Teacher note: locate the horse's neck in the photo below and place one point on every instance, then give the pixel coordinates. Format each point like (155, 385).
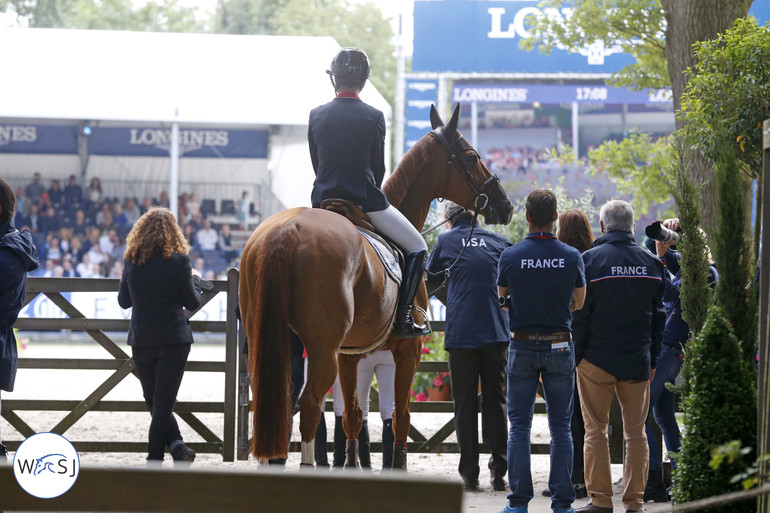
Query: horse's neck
(414, 210)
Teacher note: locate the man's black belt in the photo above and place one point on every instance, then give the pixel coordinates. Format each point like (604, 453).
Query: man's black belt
(561, 336)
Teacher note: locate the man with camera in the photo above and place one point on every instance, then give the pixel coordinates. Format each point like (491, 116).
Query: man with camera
(617, 340)
(545, 279)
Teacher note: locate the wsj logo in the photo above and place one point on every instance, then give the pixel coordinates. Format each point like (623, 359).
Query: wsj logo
(189, 140)
(53, 463)
(46, 465)
(595, 52)
(17, 133)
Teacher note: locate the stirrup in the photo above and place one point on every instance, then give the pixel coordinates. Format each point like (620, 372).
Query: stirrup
(408, 328)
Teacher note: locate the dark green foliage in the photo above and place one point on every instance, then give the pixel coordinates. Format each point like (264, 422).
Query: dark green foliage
(733, 255)
(694, 293)
(720, 407)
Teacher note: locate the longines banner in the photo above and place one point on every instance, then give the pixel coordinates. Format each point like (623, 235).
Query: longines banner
(475, 36)
(193, 142)
(420, 94)
(529, 93)
(47, 139)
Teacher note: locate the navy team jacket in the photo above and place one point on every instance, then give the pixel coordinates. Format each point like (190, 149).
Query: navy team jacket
(620, 327)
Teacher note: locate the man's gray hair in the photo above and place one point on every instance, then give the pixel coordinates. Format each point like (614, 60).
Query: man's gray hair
(617, 215)
(456, 212)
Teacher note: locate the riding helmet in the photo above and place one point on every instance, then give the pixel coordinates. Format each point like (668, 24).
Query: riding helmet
(350, 62)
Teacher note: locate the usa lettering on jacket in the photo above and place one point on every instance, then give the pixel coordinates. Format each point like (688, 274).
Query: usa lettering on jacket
(474, 242)
(629, 270)
(542, 263)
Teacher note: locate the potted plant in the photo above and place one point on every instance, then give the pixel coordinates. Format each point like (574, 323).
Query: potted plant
(432, 386)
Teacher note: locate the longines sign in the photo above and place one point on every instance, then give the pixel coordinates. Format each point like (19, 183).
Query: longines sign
(61, 140)
(482, 36)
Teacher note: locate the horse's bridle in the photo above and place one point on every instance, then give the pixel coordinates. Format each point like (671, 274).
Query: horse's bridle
(479, 191)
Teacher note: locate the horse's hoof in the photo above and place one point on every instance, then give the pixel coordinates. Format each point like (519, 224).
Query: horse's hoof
(399, 456)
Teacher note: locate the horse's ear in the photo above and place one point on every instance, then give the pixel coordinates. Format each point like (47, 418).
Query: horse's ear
(451, 127)
(435, 119)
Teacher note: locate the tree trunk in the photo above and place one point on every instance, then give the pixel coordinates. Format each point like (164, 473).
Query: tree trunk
(690, 21)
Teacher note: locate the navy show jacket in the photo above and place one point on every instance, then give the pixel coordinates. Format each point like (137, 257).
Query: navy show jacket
(620, 327)
(473, 313)
(18, 256)
(158, 290)
(347, 149)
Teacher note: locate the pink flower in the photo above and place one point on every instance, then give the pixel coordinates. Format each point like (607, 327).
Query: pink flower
(422, 396)
(413, 393)
(438, 381)
(426, 350)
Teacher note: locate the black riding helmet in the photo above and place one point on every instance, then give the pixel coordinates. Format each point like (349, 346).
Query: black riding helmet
(349, 66)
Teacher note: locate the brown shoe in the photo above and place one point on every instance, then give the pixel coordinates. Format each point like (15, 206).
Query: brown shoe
(590, 508)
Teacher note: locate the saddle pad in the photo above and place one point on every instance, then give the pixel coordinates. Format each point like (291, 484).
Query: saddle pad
(387, 257)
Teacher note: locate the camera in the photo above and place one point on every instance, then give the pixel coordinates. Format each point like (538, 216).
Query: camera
(505, 301)
(657, 231)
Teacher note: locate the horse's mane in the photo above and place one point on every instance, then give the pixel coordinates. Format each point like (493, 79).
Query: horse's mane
(412, 164)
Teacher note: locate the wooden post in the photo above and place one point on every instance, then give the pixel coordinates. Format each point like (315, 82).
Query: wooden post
(763, 395)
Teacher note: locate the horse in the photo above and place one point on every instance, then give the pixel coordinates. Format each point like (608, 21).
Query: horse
(311, 271)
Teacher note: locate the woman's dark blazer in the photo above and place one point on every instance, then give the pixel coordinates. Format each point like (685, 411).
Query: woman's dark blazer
(157, 291)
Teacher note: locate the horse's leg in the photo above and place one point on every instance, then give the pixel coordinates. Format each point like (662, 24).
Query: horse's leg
(321, 371)
(352, 417)
(406, 355)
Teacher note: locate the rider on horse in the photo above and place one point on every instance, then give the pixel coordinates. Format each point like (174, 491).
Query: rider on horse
(347, 147)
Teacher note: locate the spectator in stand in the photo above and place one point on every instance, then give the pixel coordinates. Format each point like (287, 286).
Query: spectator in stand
(73, 194)
(50, 222)
(210, 275)
(189, 234)
(47, 269)
(119, 247)
(65, 238)
(163, 201)
(33, 219)
(192, 206)
(207, 237)
(121, 221)
(117, 269)
(81, 224)
(76, 249)
(132, 211)
(93, 196)
(85, 268)
(99, 271)
(35, 189)
(226, 243)
(108, 241)
(200, 265)
(56, 195)
(23, 203)
(244, 210)
(92, 238)
(68, 271)
(147, 204)
(53, 250)
(107, 223)
(96, 255)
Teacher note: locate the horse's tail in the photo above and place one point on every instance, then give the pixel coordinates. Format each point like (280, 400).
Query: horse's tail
(270, 346)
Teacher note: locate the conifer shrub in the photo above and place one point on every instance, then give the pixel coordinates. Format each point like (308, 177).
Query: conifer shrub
(720, 407)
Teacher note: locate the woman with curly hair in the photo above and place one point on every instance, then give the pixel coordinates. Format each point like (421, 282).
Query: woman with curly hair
(158, 281)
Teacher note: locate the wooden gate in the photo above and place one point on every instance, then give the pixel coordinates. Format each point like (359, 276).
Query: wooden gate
(122, 366)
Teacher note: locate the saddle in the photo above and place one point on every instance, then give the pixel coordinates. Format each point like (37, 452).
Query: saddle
(390, 254)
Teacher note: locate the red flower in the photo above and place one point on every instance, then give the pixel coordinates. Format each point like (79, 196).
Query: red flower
(425, 350)
(422, 396)
(438, 381)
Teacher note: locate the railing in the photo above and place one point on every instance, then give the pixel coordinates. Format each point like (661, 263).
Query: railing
(122, 366)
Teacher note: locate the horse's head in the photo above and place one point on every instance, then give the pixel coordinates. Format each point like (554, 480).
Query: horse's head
(468, 182)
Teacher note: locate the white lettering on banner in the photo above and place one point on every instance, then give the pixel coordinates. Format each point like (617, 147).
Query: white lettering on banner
(189, 140)
(419, 104)
(639, 270)
(491, 94)
(542, 263)
(660, 96)
(422, 86)
(474, 242)
(419, 124)
(595, 52)
(17, 133)
(591, 93)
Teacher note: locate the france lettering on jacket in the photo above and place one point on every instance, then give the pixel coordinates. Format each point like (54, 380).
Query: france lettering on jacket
(629, 270)
(542, 263)
(474, 242)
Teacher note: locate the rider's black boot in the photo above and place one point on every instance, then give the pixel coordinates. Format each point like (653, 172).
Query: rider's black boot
(405, 327)
(387, 443)
(364, 454)
(339, 443)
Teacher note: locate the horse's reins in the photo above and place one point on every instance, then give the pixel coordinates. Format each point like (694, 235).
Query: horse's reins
(479, 191)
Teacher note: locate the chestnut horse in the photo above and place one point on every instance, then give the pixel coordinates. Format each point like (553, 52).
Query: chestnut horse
(311, 271)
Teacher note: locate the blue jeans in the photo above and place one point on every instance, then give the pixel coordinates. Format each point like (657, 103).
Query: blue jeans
(662, 404)
(528, 363)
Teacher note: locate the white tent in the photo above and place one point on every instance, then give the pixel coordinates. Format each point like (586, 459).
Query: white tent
(268, 82)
